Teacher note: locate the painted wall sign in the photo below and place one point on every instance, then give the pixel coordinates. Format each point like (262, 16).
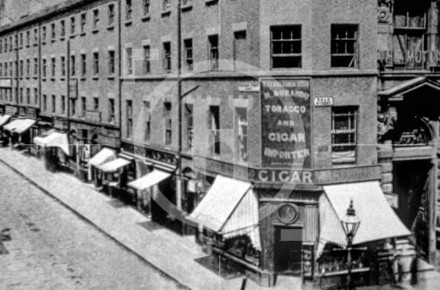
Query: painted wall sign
(285, 109)
(323, 102)
(285, 176)
(410, 58)
(5, 83)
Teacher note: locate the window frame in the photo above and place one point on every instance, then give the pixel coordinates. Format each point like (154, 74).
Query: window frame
(294, 56)
(344, 156)
(354, 63)
(213, 51)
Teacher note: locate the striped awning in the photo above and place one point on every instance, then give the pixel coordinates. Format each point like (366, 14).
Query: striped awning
(230, 208)
(4, 119)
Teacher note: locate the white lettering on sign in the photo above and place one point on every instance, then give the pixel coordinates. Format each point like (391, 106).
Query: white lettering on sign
(323, 102)
(249, 88)
(285, 176)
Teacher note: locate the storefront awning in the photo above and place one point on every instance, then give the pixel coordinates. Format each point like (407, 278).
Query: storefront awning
(149, 180)
(230, 208)
(54, 140)
(19, 126)
(4, 119)
(103, 156)
(114, 165)
(378, 220)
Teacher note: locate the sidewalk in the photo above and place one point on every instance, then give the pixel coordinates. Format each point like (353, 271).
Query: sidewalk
(165, 250)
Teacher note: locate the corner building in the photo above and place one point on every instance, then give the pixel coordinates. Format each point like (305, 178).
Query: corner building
(257, 145)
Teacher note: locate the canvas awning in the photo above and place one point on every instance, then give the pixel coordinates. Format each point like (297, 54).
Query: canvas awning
(114, 165)
(54, 140)
(4, 119)
(230, 208)
(103, 156)
(378, 220)
(19, 126)
(149, 180)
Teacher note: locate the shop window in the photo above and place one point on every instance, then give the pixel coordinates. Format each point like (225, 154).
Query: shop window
(96, 63)
(111, 62)
(286, 46)
(213, 52)
(54, 104)
(95, 19)
(111, 15)
(83, 65)
(63, 28)
(96, 104)
(147, 132)
(241, 122)
(344, 45)
(83, 22)
(168, 123)
(129, 119)
(63, 66)
(344, 134)
(129, 56)
(188, 45)
(189, 120)
(128, 10)
(146, 7)
(167, 57)
(146, 66)
(214, 129)
(111, 115)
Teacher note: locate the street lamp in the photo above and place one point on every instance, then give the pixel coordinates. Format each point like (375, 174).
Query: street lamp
(350, 224)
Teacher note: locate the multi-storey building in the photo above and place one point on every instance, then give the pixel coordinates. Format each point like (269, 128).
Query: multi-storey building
(252, 123)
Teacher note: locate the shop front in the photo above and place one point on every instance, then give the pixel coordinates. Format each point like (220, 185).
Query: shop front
(114, 176)
(4, 119)
(19, 133)
(53, 145)
(100, 158)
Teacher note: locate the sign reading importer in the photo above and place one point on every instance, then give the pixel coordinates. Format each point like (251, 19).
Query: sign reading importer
(285, 110)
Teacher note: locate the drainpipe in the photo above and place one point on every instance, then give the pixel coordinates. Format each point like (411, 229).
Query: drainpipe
(179, 179)
(119, 71)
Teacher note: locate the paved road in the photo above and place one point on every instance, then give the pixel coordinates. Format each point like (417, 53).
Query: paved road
(51, 248)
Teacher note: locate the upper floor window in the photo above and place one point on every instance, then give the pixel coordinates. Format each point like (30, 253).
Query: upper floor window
(72, 65)
(188, 46)
(168, 123)
(344, 134)
(63, 28)
(213, 51)
(35, 36)
(146, 60)
(129, 119)
(54, 32)
(128, 10)
(129, 52)
(286, 46)
(189, 120)
(111, 62)
(95, 63)
(54, 66)
(167, 57)
(111, 14)
(241, 124)
(83, 64)
(21, 40)
(28, 38)
(43, 34)
(147, 132)
(214, 129)
(72, 25)
(146, 7)
(83, 22)
(344, 45)
(112, 114)
(95, 18)
(63, 66)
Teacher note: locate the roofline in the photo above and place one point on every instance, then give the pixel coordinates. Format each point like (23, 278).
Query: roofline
(45, 13)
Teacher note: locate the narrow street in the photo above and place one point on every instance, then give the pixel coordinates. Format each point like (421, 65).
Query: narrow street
(51, 248)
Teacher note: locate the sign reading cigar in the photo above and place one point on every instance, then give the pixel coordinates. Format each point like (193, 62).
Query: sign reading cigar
(285, 109)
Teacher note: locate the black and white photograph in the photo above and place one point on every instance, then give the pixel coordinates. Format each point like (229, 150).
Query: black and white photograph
(219, 144)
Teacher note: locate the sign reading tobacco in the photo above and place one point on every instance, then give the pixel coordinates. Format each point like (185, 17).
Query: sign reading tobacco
(285, 110)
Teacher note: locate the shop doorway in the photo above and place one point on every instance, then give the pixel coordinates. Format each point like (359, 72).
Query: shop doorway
(287, 250)
(412, 184)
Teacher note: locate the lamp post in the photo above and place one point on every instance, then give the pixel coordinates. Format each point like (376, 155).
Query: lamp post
(350, 224)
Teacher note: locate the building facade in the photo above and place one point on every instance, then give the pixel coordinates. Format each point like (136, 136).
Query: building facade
(280, 101)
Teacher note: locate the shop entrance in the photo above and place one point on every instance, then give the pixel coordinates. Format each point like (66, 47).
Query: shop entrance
(412, 184)
(287, 250)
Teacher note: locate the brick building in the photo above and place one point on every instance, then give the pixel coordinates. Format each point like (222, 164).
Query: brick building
(261, 140)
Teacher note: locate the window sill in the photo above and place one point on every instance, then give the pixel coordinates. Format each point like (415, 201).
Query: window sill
(52, 79)
(43, 43)
(111, 27)
(210, 2)
(111, 77)
(36, 44)
(95, 78)
(82, 33)
(82, 78)
(95, 30)
(128, 22)
(43, 79)
(72, 36)
(165, 13)
(53, 40)
(62, 38)
(62, 78)
(35, 77)
(146, 18)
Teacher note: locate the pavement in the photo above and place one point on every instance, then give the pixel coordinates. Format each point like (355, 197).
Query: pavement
(172, 254)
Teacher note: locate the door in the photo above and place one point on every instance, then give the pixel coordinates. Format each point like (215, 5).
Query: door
(287, 252)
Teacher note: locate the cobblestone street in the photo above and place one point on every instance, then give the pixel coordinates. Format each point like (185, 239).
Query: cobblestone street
(51, 248)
